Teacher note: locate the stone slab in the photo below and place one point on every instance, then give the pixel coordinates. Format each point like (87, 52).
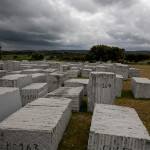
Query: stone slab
(37, 126)
(117, 128)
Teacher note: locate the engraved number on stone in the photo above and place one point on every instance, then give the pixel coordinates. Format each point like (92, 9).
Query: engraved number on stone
(28, 147)
(36, 147)
(21, 145)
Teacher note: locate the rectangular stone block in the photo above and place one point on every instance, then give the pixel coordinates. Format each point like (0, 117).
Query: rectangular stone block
(101, 89)
(39, 78)
(122, 70)
(32, 92)
(133, 72)
(10, 101)
(38, 126)
(73, 73)
(101, 68)
(86, 73)
(65, 68)
(56, 80)
(77, 83)
(140, 88)
(117, 128)
(49, 70)
(118, 85)
(16, 80)
(2, 73)
(74, 93)
(11, 65)
(31, 71)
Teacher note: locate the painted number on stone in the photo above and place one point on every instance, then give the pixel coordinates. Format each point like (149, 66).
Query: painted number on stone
(106, 85)
(21, 147)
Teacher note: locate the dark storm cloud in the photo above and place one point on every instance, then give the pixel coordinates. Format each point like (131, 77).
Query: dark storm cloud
(65, 24)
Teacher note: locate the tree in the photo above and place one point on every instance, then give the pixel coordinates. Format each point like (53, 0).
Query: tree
(104, 53)
(0, 52)
(37, 56)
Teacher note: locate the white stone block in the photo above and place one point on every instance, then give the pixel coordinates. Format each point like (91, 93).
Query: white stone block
(38, 126)
(32, 92)
(31, 71)
(117, 128)
(76, 94)
(10, 101)
(77, 83)
(14, 72)
(101, 89)
(140, 88)
(2, 73)
(16, 80)
(39, 78)
(56, 80)
(101, 68)
(11, 65)
(49, 70)
(90, 67)
(73, 73)
(133, 72)
(122, 70)
(65, 68)
(118, 85)
(86, 73)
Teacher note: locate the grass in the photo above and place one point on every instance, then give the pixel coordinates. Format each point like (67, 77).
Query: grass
(77, 132)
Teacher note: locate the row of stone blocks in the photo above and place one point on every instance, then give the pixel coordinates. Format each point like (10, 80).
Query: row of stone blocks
(117, 128)
(39, 125)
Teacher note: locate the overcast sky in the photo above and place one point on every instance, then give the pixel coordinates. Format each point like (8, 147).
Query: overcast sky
(74, 24)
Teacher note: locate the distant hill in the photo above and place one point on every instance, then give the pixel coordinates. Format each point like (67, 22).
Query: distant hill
(142, 51)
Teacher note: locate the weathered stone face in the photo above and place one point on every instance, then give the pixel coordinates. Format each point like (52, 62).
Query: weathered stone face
(76, 94)
(40, 125)
(118, 85)
(134, 72)
(86, 72)
(140, 87)
(101, 89)
(10, 101)
(77, 83)
(116, 127)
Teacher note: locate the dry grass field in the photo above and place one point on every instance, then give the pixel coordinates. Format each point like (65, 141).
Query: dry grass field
(76, 135)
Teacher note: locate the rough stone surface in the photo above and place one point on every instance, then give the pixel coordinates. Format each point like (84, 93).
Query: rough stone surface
(56, 80)
(49, 70)
(2, 73)
(32, 92)
(133, 72)
(31, 71)
(101, 68)
(77, 83)
(39, 78)
(74, 93)
(10, 101)
(74, 73)
(11, 65)
(118, 85)
(16, 80)
(86, 72)
(117, 128)
(101, 89)
(140, 88)
(122, 70)
(38, 126)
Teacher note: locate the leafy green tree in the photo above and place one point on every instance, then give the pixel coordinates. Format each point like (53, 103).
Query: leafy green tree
(37, 56)
(104, 53)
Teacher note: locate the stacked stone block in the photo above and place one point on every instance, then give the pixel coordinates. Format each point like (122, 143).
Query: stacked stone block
(86, 72)
(16, 80)
(39, 78)
(133, 72)
(118, 85)
(32, 92)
